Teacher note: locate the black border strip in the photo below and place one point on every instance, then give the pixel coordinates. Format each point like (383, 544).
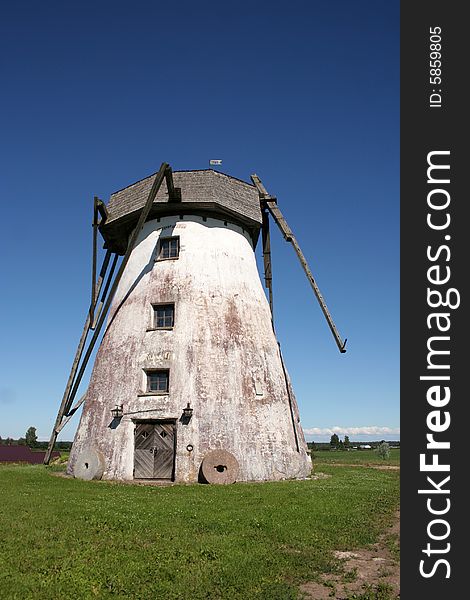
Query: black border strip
(425, 128)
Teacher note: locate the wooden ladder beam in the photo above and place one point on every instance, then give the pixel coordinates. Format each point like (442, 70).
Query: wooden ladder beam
(76, 377)
(76, 361)
(270, 203)
(268, 276)
(69, 414)
(143, 217)
(93, 258)
(174, 194)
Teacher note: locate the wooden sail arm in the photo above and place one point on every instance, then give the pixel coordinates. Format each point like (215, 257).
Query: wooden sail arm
(268, 276)
(174, 194)
(270, 203)
(76, 373)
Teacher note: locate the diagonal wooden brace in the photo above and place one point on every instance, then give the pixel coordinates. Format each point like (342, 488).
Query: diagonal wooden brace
(269, 203)
(74, 377)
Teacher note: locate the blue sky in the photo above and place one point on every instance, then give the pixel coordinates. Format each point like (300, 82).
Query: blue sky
(97, 94)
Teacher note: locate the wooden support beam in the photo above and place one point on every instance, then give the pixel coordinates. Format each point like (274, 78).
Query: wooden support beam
(105, 290)
(174, 194)
(268, 278)
(260, 187)
(279, 219)
(70, 413)
(270, 203)
(71, 390)
(93, 258)
(103, 211)
(142, 218)
(289, 397)
(76, 360)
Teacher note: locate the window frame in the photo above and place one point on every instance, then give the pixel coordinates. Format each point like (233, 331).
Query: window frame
(159, 256)
(148, 373)
(154, 324)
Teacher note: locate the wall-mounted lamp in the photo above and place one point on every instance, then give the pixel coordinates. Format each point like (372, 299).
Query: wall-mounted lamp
(117, 411)
(187, 412)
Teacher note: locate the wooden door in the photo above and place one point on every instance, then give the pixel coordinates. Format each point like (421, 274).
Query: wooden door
(154, 450)
(143, 451)
(164, 454)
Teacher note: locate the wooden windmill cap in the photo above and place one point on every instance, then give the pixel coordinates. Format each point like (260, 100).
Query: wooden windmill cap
(205, 192)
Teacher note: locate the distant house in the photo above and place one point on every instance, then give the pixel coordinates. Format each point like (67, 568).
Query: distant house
(22, 454)
(365, 447)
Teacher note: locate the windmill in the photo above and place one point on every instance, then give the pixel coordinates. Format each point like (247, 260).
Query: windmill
(189, 383)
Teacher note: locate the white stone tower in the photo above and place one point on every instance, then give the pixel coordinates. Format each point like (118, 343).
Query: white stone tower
(188, 383)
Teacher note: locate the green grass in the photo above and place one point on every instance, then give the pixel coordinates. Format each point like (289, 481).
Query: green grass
(355, 457)
(64, 456)
(70, 539)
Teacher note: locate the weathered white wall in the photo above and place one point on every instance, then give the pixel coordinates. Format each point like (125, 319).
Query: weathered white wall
(221, 346)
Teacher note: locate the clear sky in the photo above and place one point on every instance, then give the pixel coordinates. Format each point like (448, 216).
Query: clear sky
(96, 95)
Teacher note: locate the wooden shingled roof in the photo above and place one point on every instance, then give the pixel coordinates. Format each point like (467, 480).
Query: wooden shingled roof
(202, 192)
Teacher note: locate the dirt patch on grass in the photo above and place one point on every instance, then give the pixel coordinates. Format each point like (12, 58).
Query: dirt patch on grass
(369, 573)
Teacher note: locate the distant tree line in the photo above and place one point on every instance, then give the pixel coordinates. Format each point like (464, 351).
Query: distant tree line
(336, 443)
(30, 439)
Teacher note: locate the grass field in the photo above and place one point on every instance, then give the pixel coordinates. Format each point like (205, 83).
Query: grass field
(355, 457)
(70, 539)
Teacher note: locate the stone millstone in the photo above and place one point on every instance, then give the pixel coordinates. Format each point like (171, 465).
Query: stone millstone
(90, 465)
(220, 466)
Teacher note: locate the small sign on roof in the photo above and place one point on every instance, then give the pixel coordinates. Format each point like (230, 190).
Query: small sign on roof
(215, 162)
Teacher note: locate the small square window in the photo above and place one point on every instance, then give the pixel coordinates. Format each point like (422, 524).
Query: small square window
(163, 316)
(169, 248)
(157, 381)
